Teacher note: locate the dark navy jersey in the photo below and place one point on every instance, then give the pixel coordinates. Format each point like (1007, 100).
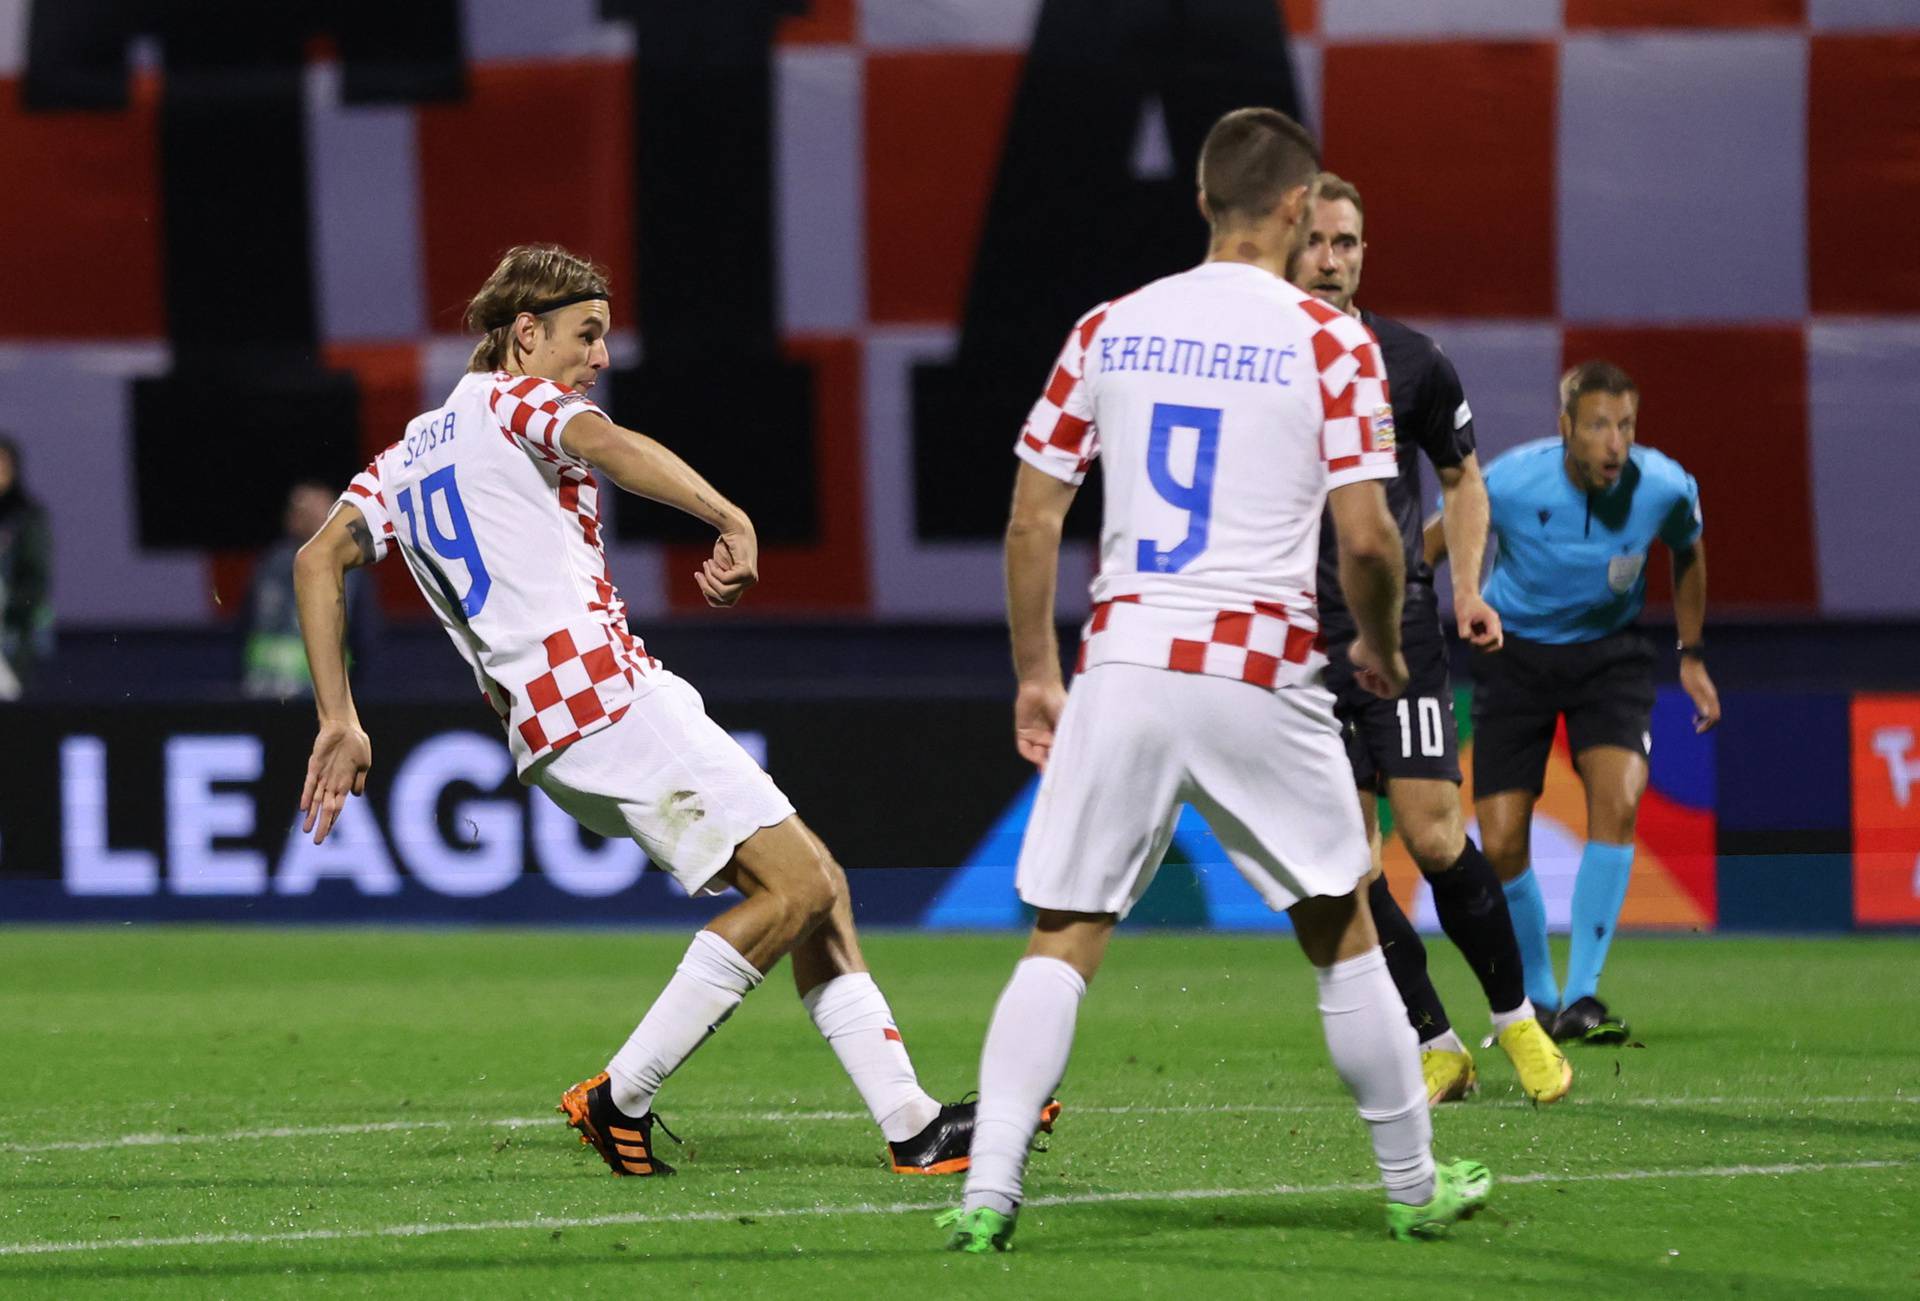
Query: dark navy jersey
(1430, 415)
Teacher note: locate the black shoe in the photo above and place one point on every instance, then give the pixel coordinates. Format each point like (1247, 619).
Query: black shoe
(1587, 1021)
(944, 1146)
(1546, 1016)
(623, 1142)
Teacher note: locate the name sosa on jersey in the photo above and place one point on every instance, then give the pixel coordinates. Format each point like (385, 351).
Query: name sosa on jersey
(418, 442)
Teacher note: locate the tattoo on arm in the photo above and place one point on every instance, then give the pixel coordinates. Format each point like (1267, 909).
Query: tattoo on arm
(362, 538)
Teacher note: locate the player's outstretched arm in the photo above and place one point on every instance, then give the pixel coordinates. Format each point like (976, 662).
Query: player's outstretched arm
(1690, 619)
(341, 752)
(1463, 524)
(1039, 512)
(648, 469)
(1373, 574)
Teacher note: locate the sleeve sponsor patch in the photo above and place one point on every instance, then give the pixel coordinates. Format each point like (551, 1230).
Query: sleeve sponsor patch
(1383, 434)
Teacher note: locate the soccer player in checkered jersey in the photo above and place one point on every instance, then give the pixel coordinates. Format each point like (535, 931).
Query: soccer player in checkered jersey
(1230, 409)
(1408, 749)
(1575, 518)
(491, 502)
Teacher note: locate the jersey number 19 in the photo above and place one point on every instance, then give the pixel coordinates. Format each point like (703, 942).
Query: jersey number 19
(457, 545)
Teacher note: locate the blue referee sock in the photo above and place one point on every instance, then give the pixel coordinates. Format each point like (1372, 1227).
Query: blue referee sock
(1598, 892)
(1528, 909)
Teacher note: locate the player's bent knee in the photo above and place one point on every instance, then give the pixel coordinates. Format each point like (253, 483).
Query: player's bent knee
(835, 893)
(795, 870)
(816, 891)
(836, 879)
(804, 906)
(1077, 939)
(1504, 837)
(1333, 928)
(1508, 858)
(1435, 845)
(1612, 823)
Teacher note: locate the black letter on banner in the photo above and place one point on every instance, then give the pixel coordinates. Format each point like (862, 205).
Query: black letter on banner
(246, 387)
(711, 380)
(1070, 224)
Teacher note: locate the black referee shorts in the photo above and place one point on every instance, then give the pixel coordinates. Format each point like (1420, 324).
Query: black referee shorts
(1603, 687)
(1413, 736)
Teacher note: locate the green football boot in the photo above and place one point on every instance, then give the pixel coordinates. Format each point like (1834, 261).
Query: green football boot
(978, 1231)
(1459, 1191)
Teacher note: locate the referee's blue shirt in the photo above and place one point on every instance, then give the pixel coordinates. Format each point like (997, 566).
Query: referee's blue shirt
(1572, 565)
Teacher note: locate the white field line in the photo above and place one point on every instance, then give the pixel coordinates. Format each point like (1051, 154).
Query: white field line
(797, 1116)
(898, 1208)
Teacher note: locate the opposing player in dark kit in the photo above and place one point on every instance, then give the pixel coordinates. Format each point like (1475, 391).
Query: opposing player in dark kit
(1407, 749)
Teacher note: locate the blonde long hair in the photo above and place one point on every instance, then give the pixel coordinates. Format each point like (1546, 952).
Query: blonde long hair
(529, 275)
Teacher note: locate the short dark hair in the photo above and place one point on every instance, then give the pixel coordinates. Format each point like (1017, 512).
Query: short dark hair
(1251, 158)
(1593, 377)
(1331, 189)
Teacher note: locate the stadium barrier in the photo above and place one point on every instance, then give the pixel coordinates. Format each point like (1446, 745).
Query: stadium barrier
(1799, 813)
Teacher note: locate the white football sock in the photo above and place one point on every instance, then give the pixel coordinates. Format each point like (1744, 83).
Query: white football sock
(1020, 1067)
(1447, 1041)
(709, 983)
(1374, 1051)
(852, 1013)
(1501, 1020)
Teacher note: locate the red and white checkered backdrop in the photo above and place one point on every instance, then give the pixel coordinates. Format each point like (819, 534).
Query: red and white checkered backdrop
(1721, 195)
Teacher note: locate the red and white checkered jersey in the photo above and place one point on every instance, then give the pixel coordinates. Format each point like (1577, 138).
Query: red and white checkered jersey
(500, 527)
(1225, 405)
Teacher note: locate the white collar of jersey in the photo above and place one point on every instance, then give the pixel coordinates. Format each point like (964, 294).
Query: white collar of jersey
(472, 380)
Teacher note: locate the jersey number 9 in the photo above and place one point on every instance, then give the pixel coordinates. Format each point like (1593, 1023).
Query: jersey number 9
(1196, 498)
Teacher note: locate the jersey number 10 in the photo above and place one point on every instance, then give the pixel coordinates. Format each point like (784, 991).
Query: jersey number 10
(1196, 498)
(1433, 742)
(458, 545)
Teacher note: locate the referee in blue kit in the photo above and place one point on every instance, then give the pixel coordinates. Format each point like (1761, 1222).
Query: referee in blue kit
(1575, 517)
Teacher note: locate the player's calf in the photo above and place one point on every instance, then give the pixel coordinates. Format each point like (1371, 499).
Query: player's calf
(791, 886)
(1473, 910)
(1406, 959)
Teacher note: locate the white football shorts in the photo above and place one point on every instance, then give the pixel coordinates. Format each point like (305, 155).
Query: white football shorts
(672, 779)
(1266, 769)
